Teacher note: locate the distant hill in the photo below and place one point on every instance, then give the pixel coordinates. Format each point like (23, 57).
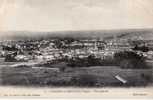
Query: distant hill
(141, 35)
(146, 34)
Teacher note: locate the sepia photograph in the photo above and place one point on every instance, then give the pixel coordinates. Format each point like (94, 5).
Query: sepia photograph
(77, 44)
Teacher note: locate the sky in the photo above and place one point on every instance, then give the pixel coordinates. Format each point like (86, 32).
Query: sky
(60, 15)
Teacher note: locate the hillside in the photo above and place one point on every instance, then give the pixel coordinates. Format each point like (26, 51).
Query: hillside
(146, 34)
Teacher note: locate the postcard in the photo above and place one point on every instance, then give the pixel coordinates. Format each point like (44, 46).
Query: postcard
(76, 48)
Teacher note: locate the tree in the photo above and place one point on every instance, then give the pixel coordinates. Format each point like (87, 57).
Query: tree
(58, 43)
(129, 59)
(141, 48)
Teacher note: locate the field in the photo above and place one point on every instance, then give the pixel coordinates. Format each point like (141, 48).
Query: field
(94, 76)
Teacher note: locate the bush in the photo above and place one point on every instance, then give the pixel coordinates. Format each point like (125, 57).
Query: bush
(10, 58)
(141, 48)
(78, 62)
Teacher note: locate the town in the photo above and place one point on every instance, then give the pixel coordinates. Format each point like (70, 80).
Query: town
(60, 54)
(56, 49)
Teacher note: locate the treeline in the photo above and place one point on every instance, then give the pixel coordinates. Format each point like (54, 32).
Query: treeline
(124, 59)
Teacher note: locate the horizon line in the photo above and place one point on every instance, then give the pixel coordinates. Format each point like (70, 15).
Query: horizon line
(78, 30)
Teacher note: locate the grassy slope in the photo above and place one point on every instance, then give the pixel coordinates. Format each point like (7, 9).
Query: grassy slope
(46, 76)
